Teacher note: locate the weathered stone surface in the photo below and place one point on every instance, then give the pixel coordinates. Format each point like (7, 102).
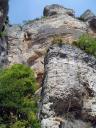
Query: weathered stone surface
(69, 88)
(32, 51)
(61, 123)
(55, 9)
(87, 15)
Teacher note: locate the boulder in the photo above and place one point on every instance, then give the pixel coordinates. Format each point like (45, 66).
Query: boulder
(57, 9)
(87, 15)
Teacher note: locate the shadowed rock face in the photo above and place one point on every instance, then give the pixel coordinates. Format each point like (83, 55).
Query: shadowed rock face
(69, 88)
(3, 39)
(3, 51)
(92, 23)
(3, 12)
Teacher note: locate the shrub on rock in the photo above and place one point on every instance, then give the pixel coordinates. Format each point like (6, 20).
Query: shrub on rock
(87, 43)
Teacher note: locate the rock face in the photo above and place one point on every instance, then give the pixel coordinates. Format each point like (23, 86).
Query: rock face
(87, 15)
(69, 85)
(3, 38)
(69, 89)
(57, 9)
(31, 49)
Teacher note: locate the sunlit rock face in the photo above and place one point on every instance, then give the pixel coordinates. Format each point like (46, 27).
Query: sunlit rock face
(69, 89)
(28, 43)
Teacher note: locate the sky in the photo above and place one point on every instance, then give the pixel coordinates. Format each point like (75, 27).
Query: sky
(22, 10)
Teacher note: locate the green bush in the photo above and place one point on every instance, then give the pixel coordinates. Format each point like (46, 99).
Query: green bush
(87, 43)
(17, 88)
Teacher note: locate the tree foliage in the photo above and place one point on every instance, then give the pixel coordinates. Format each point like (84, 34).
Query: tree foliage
(18, 105)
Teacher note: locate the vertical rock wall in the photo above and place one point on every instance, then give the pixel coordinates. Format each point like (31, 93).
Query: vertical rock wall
(69, 89)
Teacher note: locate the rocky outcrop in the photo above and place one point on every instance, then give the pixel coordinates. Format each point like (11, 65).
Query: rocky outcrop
(69, 89)
(31, 50)
(87, 15)
(55, 9)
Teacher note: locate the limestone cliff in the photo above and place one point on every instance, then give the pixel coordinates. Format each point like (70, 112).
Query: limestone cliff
(28, 43)
(69, 82)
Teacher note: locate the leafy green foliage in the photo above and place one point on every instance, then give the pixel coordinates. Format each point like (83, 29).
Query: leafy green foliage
(87, 43)
(19, 124)
(15, 83)
(17, 101)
